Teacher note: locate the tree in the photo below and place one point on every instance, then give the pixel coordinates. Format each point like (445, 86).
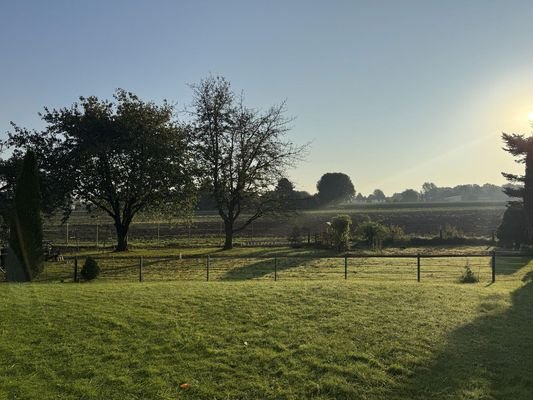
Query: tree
(335, 187)
(121, 157)
(429, 190)
(409, 196)
(25, 254)
(521, 148)
(243, 153)
(379, 195)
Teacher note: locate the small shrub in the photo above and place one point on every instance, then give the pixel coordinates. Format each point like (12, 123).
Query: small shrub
(373, 233)
(468, 275)
(90, 269)
(340, 231)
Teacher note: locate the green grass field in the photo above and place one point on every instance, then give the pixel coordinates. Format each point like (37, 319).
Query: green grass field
(291, 339)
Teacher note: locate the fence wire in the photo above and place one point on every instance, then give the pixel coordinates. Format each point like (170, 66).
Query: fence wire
(379, 268)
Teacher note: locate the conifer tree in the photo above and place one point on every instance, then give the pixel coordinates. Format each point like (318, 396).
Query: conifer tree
(25, 260)
(521, 148)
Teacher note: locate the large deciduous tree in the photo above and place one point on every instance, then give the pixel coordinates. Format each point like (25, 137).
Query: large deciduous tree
(121, 156)
(243, 152)
(335, 187)
(521, 148)
(25, 254)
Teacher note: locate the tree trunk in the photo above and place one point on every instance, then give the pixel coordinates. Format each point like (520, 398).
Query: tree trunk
(122, 236)
(228, 243)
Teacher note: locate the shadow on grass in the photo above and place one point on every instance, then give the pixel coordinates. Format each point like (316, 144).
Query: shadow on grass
(510, 265)
(265, 267)
(490, 358)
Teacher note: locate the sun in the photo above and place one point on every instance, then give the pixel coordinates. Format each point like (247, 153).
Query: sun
(530, 116)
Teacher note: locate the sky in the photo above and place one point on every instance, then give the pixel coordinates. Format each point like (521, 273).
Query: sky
(391, 93)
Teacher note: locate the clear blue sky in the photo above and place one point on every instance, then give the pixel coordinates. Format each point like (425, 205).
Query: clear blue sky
(392, 93)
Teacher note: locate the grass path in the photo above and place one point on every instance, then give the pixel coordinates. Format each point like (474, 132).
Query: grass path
(266, 340)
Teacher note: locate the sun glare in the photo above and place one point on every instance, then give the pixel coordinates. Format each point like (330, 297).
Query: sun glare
(530, 116)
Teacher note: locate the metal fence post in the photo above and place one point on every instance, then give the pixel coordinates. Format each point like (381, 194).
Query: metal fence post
(140, 268)
(275, 268)
(75, 268)
(345, 267)
(418, 267)
(207, 269)
(493, 265)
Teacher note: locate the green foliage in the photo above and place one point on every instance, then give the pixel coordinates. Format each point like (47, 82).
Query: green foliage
(395, 234)
(26, 236)
(340, 231)
(120, 156)
(90, 269)
(521, 147)
(513, 228)
(335, 187)
(468, 275)
(373, 233)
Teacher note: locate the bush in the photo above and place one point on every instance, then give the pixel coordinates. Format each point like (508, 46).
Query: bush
(90, 269)
(373, 233)
(468, 275)
(340, 231)
(395, 234)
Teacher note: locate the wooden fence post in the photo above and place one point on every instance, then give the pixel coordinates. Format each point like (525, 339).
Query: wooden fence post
(75, 268)
(140, 268)
(207, 269)
(493, 265)
(275, 268)
(418, 267)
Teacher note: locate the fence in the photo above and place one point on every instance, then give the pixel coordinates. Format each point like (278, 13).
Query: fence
(488, 267)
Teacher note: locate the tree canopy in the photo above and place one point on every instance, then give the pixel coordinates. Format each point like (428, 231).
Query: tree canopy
(121, 156)
(335, 187)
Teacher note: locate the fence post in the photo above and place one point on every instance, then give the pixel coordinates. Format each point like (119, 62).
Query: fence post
(207, 269)
(75, 268)
(275, 268)
(418, 267)
(345, 267)
(140, 268)
(493, 264)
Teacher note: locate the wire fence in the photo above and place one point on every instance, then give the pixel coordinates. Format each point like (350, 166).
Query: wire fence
(486, 268)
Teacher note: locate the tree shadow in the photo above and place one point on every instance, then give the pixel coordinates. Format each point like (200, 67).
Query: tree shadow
(490, 358)
(508, 265)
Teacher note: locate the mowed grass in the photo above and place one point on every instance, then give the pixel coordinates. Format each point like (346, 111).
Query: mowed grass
(329, 339)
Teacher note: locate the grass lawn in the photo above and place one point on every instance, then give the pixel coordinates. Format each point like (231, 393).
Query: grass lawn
(267, 340)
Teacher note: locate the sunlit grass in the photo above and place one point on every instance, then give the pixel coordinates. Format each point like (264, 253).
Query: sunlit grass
(291, 339)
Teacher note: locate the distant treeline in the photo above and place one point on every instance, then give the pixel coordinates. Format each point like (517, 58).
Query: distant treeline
(328, 195)
(432, 193)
